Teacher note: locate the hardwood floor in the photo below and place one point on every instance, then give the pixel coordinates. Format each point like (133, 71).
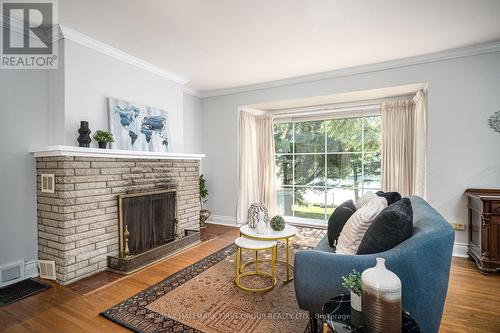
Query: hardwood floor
(472, 305)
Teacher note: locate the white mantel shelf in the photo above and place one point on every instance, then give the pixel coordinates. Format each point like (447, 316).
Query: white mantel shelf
(109, 153)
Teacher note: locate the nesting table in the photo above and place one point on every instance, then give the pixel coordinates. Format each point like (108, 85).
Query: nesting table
(272, 235)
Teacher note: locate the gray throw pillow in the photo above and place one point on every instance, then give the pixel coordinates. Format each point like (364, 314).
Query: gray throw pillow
(338, 219)
(391, 227)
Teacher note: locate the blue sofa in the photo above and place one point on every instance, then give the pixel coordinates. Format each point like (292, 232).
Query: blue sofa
(422, 262)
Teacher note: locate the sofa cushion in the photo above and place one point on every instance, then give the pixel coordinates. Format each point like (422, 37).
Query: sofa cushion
(358, 223)
(323, 245)
(338, 219)
(365, 198)
(391, 227)
(391, 197)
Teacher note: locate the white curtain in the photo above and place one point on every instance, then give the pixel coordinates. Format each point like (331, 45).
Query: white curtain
(257, 178)
(420, 144)
(404, 145)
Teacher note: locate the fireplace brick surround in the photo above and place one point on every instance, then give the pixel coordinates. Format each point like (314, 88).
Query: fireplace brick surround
(78, 224)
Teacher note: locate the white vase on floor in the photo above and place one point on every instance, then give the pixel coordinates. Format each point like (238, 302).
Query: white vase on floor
(355, 301)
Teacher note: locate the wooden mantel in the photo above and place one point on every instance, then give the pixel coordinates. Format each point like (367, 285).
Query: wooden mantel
(109, 153)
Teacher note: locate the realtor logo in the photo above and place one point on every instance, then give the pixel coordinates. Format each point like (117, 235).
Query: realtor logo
(28, 34)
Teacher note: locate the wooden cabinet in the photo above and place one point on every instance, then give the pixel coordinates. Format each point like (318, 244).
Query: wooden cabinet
(484, 228)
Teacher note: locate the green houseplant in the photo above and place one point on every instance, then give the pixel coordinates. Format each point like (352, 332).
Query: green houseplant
(102, 138)
(204, 213)
(353, 283)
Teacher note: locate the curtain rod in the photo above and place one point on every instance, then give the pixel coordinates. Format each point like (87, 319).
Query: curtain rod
(369, 108)
(337, 107)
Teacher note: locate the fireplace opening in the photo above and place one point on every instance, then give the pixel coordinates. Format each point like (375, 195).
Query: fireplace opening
(147, 220)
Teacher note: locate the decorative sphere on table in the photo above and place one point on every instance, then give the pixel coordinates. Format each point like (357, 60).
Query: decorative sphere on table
(278, 223)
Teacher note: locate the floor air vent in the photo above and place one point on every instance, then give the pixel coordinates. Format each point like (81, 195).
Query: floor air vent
(20, 290)
(47, 269)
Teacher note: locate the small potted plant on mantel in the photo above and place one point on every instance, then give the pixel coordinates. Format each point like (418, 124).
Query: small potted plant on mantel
(102, 138)
(204, 214)
(353, 283)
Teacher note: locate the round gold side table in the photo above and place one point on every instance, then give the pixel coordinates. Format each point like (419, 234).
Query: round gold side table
(243, 243)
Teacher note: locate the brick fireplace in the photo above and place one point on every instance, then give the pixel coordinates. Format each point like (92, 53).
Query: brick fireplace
(78, 224)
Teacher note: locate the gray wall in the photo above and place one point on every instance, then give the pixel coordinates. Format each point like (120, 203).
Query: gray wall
(193, 124)
(23, 107)
(462, 92)
(91, 77)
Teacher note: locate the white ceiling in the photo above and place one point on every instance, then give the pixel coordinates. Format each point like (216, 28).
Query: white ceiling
(221, 44)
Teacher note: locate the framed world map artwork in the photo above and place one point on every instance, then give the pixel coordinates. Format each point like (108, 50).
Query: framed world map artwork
(138, 127)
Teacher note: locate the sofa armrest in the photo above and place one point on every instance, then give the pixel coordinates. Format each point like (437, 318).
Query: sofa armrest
(318, 275)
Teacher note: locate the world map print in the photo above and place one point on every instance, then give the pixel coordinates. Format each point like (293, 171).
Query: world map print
(138, 127)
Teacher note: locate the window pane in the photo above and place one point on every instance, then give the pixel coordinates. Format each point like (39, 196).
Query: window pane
(336, 196)
(344, 170)
(310, 169)
(373, 130)
(309, 137)
(284, 197)
(284, 174)
(344, 135)
(309, 203)
(372, 178)
(283, 138)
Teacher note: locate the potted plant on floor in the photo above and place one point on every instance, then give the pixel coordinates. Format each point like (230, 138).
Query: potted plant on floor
(204, 213)
(102, 138)
(353, 283)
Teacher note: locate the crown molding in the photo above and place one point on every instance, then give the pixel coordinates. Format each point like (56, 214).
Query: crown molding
(87, 41)
(397, 63)
(192, 92)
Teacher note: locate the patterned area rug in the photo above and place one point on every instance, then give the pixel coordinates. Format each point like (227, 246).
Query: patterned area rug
(204, 298)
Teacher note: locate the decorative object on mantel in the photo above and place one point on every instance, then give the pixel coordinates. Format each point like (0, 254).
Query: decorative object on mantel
(353, 283)
(494, 121)
(204, 213)
(277, 223)
(381, 299)
(102, 138)
(84, 137)
(138, 127)
(253, 214)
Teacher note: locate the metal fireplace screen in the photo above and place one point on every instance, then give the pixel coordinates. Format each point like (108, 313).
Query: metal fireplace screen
(147, 220)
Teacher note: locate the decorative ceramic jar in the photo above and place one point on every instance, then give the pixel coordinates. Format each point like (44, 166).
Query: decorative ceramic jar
(261, 223)
(381, 306)
(253, 214)
(84, 137)
(204, 215)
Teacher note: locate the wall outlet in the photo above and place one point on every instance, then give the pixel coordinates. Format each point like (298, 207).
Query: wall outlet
(458, 226)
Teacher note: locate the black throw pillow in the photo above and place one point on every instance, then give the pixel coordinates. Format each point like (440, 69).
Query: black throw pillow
(391, 197)
(391, 227)
(338, 219)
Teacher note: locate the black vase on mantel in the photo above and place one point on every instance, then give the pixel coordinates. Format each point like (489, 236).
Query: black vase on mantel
(84, 138)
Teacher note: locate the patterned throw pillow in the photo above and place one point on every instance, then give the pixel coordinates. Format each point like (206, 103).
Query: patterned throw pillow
(355, 228)
(367, 197)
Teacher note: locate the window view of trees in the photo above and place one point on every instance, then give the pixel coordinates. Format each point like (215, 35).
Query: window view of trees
(321, 164)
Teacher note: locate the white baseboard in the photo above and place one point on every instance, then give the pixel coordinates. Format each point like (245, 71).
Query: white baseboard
(223, 220)
(460, 250)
